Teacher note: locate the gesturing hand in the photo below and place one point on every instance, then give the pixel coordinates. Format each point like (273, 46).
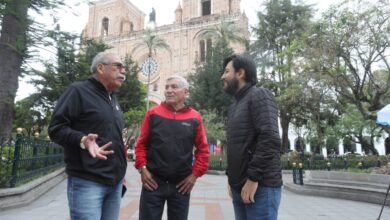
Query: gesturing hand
(94, 149)
(186, 185)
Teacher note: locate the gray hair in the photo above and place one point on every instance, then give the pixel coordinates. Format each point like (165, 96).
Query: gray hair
(101, 57)
(183, 82)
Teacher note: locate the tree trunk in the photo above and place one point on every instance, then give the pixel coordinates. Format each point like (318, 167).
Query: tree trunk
(368, 145)
(12, 52)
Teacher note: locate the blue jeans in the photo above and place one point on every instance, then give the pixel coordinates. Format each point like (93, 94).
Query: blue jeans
(89, 200)
(152, 202)
(267, 200)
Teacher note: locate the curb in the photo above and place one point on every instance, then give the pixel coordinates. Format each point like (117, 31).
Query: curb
(23, 195)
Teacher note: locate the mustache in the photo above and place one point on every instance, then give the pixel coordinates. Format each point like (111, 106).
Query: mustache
(122, 77)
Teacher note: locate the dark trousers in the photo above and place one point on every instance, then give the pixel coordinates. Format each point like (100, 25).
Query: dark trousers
(152, 203)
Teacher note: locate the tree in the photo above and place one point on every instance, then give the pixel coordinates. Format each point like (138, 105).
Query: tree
(71, 65)
(132, 93)
(14, 41)
(278, 35)
(206, 82)
(225, 32)
(214, 126)
(31, 118)
(351, 45)
(354, 128)
(152, 43)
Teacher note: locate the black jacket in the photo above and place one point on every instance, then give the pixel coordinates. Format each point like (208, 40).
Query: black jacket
(85, 107)
(253, 141)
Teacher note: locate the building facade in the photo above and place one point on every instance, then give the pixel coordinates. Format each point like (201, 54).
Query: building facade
(121, 24)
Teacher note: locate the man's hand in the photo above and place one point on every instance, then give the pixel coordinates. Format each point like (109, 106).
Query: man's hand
(185, 186)
(147, 180)
(94, 149)
(248, 191)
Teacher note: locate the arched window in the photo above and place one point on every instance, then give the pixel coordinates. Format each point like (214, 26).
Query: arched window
(206, 7)
(131, 26)
(205, 49)
(121, 27)
(105, 23)
(202, 51)
(126, 27)
(209, 46)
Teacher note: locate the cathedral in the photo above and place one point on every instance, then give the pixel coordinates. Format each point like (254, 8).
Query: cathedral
(120, 24)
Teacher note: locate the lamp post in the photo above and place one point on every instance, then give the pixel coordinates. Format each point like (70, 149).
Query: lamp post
(149, 67)
(360, 165)
(300, 173)
(148, 83)
(151, 27)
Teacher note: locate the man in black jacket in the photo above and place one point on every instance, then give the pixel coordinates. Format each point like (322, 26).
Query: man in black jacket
(253, 143)
(87, 122)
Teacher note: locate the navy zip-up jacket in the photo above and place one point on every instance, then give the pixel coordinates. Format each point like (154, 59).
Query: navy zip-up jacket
(85, 107)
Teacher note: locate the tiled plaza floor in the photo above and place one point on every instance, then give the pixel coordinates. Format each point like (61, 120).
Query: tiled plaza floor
(209, 201)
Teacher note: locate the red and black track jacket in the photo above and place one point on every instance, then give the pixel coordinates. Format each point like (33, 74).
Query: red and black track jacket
(167, 140)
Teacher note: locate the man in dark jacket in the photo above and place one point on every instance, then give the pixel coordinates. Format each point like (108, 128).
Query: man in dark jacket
(253, 143)
(87, 122)
(164, 154)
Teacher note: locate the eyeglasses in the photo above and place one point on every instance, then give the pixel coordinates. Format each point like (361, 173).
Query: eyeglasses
(120, 66)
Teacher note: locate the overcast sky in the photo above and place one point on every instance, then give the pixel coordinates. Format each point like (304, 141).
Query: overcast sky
(164, 11)
(75, 19)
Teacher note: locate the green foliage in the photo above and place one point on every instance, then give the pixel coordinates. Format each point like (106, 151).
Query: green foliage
(152, 43)
(132, 92)
(29, 117)
(88, 50)
(318, 162)
(277, 50)
(348, 45)
(70, 66)
(340, 163)
(206, 90)
(217, 162)
(17, 35)
(215, 128)
(134, 116)
(226, 33)
(279, 27)
(33, 112)
(206, 81)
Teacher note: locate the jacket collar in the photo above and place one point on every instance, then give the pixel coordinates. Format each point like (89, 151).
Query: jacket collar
(243, 91)
(170, 108)
(99, 85)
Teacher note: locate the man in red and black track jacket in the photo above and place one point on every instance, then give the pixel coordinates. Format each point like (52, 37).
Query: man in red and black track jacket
(164, 154)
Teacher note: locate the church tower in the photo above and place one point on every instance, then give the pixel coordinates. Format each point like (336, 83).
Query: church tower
(120, 24)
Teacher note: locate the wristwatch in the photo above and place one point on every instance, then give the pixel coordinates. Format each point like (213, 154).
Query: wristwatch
(141, 169)
(82, 141)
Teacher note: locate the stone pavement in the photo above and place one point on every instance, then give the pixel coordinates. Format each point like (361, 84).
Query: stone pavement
(209, 201)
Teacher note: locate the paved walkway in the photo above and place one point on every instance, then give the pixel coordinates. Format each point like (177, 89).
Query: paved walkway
(209, 201)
